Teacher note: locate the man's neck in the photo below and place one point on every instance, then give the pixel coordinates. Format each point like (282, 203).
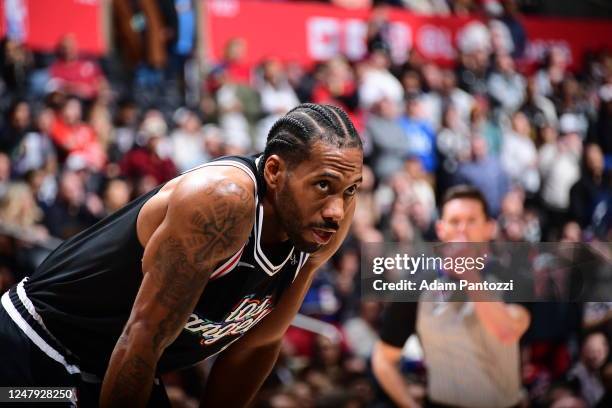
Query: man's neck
(272, 230)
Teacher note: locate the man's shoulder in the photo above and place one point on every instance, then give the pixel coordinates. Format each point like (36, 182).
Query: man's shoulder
(215, 183)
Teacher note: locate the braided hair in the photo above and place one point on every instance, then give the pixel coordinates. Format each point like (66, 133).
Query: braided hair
(292, 136)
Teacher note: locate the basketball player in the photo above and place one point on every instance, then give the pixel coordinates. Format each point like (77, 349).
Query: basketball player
(216, 260)
(471, 348)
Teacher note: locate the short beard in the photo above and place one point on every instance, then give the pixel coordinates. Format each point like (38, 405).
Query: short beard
(286, 208)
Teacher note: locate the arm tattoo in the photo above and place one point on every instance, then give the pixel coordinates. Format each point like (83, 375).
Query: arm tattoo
(130, 378)
(217, 226)
(182, 264)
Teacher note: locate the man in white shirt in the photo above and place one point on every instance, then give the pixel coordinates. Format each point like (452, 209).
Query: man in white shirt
(471, 348)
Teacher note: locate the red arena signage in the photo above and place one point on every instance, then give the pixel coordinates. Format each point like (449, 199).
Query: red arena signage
(41, 24)
(311, 32)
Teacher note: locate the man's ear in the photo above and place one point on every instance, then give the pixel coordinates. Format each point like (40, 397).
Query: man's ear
(275, 170)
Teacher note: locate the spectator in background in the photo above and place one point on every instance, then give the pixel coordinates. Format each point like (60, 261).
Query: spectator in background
(560, 169)
(548, 145)
(602, 128)
(519, 156)
(150, 160)
(421, 186)
(377, 82)
(453, 145)
(411, 81)
(539, 109)
(506, 86)
(304, 80)
(588, 371)
(549, 78)
(19, 211)
(17, 124)
(213, 141)
(36, 150)
(511, 19)
(511, 221)
(592, 193)
(573, 108)
(233, 63)
(75, 75)
(43, 186)
(420, 134)
(475, 43)
(20, 221)
(361, 331)
(501, 38)
(188, 147)
(337, 87)
(100, 120)
(401, 229)
(485, 172)
(277, 98)
(453, 141)
(474, 70)
(486, 124)
(116, 194)
(70, 213)
(235, 101)
(333, 361)
(378, 35)
(432, 99)
(15, 66)
(347, 281)
(387, 142)
(126, 124)
(367, 206)
(416, 197)
(462, 101)
(72, 136)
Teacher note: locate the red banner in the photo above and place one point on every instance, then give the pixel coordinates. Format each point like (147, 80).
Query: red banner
(310, 32)
(42, 24)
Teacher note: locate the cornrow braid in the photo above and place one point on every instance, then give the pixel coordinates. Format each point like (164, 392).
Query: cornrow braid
(346, 123)
(292, 136)
(324, 112)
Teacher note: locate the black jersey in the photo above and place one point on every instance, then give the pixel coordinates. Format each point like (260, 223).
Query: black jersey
(75, 305)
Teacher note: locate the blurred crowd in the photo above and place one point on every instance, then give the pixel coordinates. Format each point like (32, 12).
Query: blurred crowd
(434, 7)
(80, 138)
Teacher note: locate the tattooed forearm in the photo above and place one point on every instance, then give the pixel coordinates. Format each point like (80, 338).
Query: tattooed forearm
(131, 377)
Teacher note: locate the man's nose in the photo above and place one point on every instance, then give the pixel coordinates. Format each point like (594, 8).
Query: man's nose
(334, 210)
(462, 227)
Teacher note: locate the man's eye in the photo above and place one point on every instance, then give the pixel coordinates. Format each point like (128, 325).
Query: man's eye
(323, 185)
(351, 190)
